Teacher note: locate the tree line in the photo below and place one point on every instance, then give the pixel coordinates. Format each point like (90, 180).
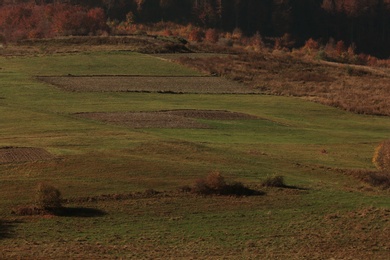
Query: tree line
(365, 23)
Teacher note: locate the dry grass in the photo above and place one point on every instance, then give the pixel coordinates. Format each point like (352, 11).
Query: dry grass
(351, 234)
(165, 119)
(164, 84)
(381, 157)
(359, 89)
(138, 43)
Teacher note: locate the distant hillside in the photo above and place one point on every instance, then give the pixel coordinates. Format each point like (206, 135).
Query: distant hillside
(365, 23)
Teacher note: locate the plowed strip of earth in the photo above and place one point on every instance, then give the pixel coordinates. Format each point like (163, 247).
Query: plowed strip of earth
(23, 154)
(165, 119)
(160, 84)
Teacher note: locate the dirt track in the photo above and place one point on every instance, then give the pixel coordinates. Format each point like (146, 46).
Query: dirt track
(163, 84)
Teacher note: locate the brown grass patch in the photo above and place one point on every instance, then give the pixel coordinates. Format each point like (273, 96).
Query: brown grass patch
(358, 89)
(23, 154)
(71, 44)
(158, 84)
(380, 179)
(165, 119)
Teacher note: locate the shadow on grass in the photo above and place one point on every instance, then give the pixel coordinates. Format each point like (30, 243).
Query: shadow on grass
(7, 228)
(80, 212)
(293, 187)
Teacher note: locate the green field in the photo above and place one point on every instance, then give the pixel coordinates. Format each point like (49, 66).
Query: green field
(332, 214)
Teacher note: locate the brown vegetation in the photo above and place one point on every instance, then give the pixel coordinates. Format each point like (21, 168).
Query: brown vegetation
(381, 157)
(48, 197)
(378, 179)
(23, 154)
(358, 89)
(29, 20)
(274, 181)
(165, 119)
(214, 184)
(165, 84)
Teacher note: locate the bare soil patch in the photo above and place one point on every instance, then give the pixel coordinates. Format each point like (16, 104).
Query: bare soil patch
(157, 84)
(23, 154)
(165, 119)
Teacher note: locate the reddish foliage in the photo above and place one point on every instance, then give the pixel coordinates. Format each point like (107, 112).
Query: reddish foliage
(211, 36)
(29, 20)
(195, 35)
(340, 47)
(257, 40)
(312, 44)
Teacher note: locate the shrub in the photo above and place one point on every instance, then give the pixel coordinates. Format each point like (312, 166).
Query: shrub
(321, 55)
(381, 157)
(48, 197)
(311, 44)
(256, 41)
(211, 36)
(378, 179)
(214, 183)
(274, 181)
(167, 32)
(237, 34)
(195, 35)
(340, 47)
(215, 180)
(373, 178)
(226, 42)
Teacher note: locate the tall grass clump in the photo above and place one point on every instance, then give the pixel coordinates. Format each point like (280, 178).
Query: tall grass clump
(381, 160)
(381, 157)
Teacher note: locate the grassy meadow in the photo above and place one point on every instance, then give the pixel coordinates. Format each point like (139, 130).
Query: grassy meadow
(329, 213)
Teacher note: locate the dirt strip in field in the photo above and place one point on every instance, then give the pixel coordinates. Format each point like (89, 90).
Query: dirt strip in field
(157, 84)
(23, 154)
(165, 119)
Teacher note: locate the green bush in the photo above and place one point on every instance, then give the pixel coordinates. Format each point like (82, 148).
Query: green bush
(48, 197)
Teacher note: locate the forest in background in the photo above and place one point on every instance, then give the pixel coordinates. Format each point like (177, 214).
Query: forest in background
(361, 23)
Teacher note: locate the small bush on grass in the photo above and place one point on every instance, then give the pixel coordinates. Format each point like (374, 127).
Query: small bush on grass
(48, 197)
(47, 201)
(274, 181)
(215, 184)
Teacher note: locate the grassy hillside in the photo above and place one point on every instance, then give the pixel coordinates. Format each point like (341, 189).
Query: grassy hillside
(329, 213)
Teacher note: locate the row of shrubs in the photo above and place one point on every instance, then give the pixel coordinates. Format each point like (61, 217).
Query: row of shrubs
(215, 184)
(48, 198)
(332, 50)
